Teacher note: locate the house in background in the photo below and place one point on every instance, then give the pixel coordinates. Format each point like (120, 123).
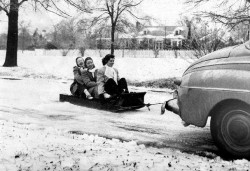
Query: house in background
(148, 37)
(162, 37)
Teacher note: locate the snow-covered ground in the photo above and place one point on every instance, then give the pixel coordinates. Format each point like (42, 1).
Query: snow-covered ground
(28, 142)
(28, 147)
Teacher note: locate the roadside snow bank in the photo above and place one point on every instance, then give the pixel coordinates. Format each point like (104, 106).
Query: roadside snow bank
(29, 147)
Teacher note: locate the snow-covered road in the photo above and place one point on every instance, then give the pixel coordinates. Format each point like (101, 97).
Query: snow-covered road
(36, 101)
(40, 133)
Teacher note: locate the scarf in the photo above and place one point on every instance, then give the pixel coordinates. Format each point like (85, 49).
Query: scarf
(110, 73)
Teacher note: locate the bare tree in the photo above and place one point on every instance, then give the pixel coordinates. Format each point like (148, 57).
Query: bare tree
(240, 33)
(234, 13)
(11, 8)
(66, 33)
(24, 36)
(115, 12)
(203, 39)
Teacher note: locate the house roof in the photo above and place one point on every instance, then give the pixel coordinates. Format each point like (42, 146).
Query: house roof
(161, 30)
(164, 28)
(158, 33)
(125, 36)
(145, 36)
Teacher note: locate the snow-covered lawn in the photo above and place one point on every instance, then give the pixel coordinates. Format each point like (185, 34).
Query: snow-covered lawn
(28, 145)
(134, 69)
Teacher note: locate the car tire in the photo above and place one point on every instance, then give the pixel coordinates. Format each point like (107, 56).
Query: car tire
(230, 129)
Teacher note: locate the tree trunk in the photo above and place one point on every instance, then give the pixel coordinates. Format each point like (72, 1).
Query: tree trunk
(12, 38)
(189, 32)
(112, 40)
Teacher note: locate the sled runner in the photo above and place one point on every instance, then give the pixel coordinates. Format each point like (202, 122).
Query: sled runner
(123, 102)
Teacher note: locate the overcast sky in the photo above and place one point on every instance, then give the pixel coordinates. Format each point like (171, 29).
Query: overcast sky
(168, 12)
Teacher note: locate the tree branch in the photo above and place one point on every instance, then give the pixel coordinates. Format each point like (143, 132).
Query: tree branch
(20, 3)
(235, 12)
(62, 12)
(47, 8)
(132, 14)
(117, 12)
(108, 8)
(228, 20)
(93, 21)
(5, 10)
(77, 6)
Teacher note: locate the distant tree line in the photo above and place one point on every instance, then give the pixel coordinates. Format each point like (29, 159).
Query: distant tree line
(66, 36)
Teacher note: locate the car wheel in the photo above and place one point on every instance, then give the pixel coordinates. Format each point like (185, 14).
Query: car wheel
(230, 129)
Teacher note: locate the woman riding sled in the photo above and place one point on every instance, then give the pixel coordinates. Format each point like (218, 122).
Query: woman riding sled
(108, 80)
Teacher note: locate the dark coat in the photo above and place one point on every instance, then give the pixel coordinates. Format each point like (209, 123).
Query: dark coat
(78, 75)
(77, 87)
(90, 82)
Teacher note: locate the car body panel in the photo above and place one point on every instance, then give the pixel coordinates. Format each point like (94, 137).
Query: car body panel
(219, 76)
(233, 51)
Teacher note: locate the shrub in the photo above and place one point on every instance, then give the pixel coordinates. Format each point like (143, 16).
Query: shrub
(157, 83)
(50, 46)
(82, 50)
(65, 52)
(156, 52)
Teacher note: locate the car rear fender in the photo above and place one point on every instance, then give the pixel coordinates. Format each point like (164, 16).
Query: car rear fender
(196, 104)
(223, 103)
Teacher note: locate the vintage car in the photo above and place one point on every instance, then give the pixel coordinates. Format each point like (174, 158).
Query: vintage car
(218, 86)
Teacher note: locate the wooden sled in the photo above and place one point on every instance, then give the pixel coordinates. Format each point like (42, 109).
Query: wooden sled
(123, 102)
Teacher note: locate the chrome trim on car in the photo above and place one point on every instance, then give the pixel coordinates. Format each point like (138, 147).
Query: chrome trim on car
(218, 89)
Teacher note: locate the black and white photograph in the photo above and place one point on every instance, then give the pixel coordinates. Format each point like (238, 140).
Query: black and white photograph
(124, 85)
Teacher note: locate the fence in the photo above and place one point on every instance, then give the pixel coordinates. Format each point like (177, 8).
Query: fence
(186, 54)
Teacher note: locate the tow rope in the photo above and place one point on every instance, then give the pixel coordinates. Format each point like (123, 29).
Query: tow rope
(150, 104)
